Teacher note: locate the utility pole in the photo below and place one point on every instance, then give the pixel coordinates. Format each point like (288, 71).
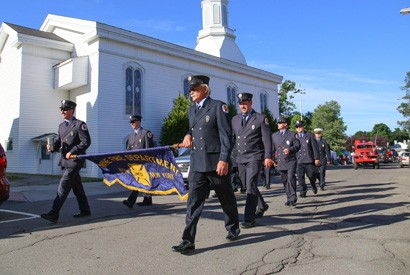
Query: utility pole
(300, 92)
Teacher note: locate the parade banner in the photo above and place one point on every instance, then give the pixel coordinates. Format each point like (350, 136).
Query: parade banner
(152, 170)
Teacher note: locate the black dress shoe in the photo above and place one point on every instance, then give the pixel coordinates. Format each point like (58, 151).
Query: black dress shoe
(292, 203)
(287, 203)
(127, 203)
(233, 235)
(302, 194)
(82, 214)
(183, 247)
(248, 224)
(145, 202)
(322, 188)
(314, 189)
(260, 212)
(243, 191)
(50, 217)
(267, 186)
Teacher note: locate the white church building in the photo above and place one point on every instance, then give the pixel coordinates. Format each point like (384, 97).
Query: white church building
(111, 73)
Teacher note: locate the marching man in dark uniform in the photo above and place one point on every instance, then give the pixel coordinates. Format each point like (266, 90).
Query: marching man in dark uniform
(139, 138)
(285, 144)
(253, 148)
(210, 137)
(73, 139)
(307, 158)
(324, 156)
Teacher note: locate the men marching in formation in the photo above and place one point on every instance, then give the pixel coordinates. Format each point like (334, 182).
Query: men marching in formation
(213, 135)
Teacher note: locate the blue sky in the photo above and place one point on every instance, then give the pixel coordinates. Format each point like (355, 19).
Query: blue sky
(355, 52)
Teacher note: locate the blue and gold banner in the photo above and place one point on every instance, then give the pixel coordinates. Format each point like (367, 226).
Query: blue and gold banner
(151, 170)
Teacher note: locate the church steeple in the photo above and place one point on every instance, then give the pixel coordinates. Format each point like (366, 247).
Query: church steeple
(216, 38)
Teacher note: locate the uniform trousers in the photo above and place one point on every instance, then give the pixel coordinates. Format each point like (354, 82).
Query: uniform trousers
(70, 179)
(132, 198)
(200, 185)
(307, 169)
(289, 181)
(321, 174)
(249, 173)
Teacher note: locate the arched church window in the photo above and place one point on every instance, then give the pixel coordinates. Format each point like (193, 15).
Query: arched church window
(231, 93)
(264, 101)
(133, 91)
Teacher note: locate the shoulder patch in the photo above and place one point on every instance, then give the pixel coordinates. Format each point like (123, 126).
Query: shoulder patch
(149, 134)
(266, 121)
(225, 108)
(84, 127)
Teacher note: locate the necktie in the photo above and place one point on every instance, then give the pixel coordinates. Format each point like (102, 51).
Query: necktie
(282, 133)
(244, 117)
(301, 135)
(66, 123)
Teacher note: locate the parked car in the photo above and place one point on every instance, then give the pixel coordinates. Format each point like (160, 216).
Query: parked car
(183, 162)
(4, 183)
(404, 159)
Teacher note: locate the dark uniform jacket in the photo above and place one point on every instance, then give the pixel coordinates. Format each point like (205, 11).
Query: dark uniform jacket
(324, 151)
(309, 150)
(73, 138)
(252, 141)
(210, 128)
(279, 143)
(144, 139)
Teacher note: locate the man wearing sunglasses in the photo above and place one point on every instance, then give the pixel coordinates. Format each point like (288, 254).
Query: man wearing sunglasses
(73, 139)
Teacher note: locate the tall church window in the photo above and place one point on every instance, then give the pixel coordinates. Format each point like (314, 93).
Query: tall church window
(133, 91)
(186, 87)
(264, 101)
(231, 93)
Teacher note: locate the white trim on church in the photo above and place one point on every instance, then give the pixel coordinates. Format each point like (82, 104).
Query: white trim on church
(89, 62)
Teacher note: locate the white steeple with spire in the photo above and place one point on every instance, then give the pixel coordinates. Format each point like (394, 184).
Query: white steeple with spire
(216, 38)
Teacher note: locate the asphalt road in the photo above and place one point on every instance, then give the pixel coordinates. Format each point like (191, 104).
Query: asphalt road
(358, 225)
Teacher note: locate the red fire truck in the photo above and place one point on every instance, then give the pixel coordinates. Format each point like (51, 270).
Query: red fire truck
(365, 153)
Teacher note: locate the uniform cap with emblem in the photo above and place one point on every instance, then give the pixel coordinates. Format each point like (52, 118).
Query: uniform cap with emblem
(67, 104)
(318, 130)
(197, 80)
(135, 118)
(299, 123)
(281, 119)
(244, 97)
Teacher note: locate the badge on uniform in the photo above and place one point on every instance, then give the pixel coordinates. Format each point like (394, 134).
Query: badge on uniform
(149, 134)
(287, 142)
(266, 121)
(84, 127)
(139, 140)
(307, 141)
(225, 108)
(323, 145)
(207, 119)
(72, 133)
(253, 127)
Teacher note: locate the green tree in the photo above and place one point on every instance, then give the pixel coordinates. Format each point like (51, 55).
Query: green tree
(273, 126)
(380, 134)
(232, 110)
(327, 117)
(398, 135)
(404, 107)
(176, 125)
(306, 118)
(287, 107)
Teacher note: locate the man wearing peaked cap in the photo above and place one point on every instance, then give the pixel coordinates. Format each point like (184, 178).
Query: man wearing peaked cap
(253, 150)
(73, 139)
(210, 137)
(324, 157)
(284, 146)
(307, 158)
(139, 138)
